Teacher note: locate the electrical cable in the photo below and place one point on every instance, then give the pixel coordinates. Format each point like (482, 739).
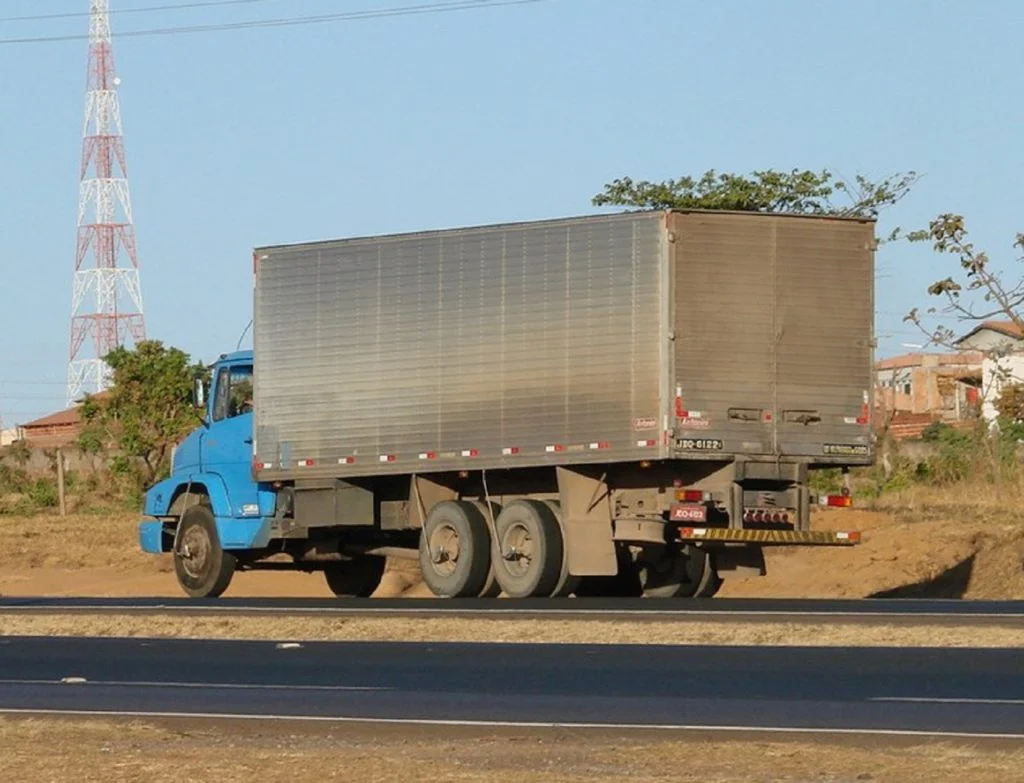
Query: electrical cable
(137, 10)
(381, 13)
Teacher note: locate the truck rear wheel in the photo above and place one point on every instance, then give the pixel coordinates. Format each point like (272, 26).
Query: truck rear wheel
(566, 585)
(624, 584)
(203, 569)
(710, 582)
(455, 550)
(491, 588)
(529, 543)
(688, 572)
(355, 578)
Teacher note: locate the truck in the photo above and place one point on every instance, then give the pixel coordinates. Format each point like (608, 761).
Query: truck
(612, 404)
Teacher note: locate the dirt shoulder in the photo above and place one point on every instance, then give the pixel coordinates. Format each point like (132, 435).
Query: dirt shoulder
(482, 629)
(37, 750)
(918, 547)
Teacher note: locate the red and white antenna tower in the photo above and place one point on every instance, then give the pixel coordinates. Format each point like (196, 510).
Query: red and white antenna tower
(106, 303)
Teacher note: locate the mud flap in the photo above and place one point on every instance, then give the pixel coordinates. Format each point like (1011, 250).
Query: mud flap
(587, 521)
(424, 494)
(739, 560)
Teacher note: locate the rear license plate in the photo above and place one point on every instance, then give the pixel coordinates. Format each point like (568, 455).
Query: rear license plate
(687, 513)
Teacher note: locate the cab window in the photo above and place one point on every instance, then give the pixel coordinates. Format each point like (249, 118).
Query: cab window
(234, 392)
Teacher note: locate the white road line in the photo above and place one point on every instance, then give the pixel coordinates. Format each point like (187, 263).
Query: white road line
(210, 685)
(505, 724)
(931, 700)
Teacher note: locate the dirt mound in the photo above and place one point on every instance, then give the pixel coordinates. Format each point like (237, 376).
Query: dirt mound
(998, 571)
(901, 556)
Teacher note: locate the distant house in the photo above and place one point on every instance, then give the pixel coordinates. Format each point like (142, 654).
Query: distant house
(10, 435)
(1002, 343)
(915, 390)
(56, 429)
(992, 336)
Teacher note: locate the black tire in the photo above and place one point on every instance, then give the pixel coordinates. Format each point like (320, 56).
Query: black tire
(355, 578)
(459, 527)
(625, 584)
(688, 572)
(491, 588)
(203, 568)
(566, 585)
(710, 582)
(529, 543)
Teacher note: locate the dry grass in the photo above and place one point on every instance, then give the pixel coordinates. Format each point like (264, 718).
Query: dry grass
(974, 501)
(427, 629)
(48, 750)
(74, 541)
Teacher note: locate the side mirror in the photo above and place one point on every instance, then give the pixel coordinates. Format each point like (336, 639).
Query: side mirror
(199, 393)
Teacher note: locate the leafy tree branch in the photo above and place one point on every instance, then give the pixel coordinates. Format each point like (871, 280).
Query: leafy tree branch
(803, 192)
(978, 292)
(147, 409)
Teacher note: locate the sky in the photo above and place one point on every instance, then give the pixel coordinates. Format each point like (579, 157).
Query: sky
(248, 137)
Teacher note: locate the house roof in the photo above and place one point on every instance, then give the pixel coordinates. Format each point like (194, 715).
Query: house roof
(1005, 328)
(908, 360)
(65, 418)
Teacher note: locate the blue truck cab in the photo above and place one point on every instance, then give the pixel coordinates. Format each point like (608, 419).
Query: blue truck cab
(214, 517)
(211, 501)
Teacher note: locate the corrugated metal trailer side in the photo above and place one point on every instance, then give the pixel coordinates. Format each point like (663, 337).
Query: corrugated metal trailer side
(498, 346)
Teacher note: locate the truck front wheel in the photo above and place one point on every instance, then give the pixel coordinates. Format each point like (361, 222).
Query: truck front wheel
(203, 568)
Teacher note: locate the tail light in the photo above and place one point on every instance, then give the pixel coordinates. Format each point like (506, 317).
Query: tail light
(752, 515)
(692, 496)
(836, 501)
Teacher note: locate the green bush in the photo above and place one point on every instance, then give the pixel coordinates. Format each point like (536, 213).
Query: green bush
(827, 481)
(933, 432)
(958, 455)
(12, 480)
(43, 493)
(980, 454)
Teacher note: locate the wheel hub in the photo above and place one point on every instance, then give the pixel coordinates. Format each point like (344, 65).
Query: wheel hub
(517, 549)
(194, 552)
(444, 547)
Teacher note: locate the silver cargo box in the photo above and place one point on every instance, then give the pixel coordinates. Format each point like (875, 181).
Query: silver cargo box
(644, 335)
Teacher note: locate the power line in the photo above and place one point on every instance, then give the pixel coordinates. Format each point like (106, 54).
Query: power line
(32, 383)
(382, 13)
(147, 9)
(33, 398)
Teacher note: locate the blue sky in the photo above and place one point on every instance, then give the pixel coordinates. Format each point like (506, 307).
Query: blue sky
(249, 137)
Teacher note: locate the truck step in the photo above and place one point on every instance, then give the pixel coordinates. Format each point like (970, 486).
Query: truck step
(776, 537)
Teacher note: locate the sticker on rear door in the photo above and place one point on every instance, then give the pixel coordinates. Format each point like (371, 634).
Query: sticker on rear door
(694, 423)
(845, 450)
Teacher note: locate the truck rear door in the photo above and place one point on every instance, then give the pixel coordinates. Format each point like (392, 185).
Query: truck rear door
(773, 335)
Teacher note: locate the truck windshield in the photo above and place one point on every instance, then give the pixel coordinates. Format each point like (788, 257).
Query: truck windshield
(234, 392)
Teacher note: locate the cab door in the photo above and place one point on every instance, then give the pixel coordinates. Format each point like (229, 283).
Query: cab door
(227, 443)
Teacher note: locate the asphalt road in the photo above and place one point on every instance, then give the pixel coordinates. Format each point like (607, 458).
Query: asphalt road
(888, 691)
(930, 611)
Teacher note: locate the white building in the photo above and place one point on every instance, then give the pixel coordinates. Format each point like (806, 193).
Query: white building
(1002, 342)
(9, 435)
